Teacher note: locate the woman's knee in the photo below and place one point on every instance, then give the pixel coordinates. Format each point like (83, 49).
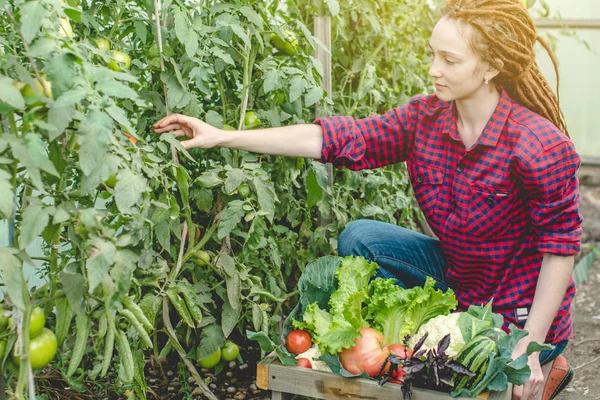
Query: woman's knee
(351, 240)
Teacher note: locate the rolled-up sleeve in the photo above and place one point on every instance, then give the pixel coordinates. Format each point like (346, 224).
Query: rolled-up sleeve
(554, 199)
(370, 142)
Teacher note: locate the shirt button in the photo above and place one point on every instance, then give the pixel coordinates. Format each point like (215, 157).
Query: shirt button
(460, 168)
(489, 200)
(420, 179)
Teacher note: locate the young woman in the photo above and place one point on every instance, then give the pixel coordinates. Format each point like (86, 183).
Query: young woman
(492, 168)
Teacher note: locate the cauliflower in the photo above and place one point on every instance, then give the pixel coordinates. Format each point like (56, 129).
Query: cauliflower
(437, 328)
(312, 354)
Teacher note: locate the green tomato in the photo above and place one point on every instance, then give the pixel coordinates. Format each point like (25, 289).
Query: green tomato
(119, 57)
(36, 322)
(66, 30)
(251, 120)
(2, 349)
(244, 190)
(111, 181)
(202, 258)
(229, 128)
(286, 44)
(211, 360)
(3, 319)
(103, 44)
(40, 90)
(42, 349)
(230, 351)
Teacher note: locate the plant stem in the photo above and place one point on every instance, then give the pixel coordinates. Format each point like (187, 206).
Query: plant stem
(167, 321)
(363, 74)
(248, 65)
(207, 235)
(222, 93)
(26, 48)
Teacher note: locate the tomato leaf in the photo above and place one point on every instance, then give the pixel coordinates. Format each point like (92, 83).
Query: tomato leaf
(101, 259)
(74, 287)
(265, 191)
(10, 94)
(129, 189)
(230, 218)
(7, 200)
(33, 13)
(35, 219)
(229, 318)
(252, 16)
(12, 275)
(212, 339)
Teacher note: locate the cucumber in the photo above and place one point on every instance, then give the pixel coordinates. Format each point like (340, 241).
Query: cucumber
(475, 356)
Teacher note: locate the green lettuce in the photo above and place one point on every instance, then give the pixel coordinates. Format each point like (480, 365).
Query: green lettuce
(360, 301)
(336, 329)
(398, 312)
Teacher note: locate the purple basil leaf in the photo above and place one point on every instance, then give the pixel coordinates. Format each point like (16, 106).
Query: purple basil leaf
(419, 353)
(411, 369)
(443, 344)
(457, 367)
(420, 342)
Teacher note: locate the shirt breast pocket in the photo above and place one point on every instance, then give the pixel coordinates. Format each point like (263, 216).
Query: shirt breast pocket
(428, 183)
(490, 211)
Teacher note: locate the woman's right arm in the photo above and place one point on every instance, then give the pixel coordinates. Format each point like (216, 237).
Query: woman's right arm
(304, 140)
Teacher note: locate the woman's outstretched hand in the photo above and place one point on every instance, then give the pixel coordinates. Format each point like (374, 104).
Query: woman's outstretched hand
(200, 133)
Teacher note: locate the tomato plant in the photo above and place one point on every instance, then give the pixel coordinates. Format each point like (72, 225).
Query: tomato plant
(108, 198)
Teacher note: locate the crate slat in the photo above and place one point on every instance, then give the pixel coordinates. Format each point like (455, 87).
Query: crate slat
(272, 375)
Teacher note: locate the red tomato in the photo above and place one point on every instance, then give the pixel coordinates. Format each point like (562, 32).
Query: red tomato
(187, 236)
(400, 350)
(368, 354)
(298, 341)
(403, 352)
(304, 363)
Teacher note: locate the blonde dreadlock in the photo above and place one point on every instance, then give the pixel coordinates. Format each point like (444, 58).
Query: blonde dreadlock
(504, 30)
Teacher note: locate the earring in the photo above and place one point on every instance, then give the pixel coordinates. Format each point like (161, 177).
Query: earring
(487, 81)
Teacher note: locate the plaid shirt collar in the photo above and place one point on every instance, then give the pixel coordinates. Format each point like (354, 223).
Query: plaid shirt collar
(493, 129)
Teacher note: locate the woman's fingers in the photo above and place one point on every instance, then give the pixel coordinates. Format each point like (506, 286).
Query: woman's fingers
(167, 128)
(179, 133)
(172, 119)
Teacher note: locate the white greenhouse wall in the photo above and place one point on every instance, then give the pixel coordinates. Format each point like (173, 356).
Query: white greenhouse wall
(579, 77)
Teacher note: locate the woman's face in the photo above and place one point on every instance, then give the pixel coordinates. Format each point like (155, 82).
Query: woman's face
(457, 71)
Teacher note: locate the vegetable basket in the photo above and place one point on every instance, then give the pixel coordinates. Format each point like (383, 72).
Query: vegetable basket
(285, 381)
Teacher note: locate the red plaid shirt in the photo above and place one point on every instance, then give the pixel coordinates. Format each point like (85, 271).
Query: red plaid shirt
(496, 208)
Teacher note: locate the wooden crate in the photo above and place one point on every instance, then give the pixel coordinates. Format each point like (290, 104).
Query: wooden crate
(285, 381)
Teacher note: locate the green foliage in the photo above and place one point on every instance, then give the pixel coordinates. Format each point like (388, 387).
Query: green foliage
(110, 199)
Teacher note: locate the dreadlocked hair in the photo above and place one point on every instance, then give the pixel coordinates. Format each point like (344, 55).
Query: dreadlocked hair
(503, 30)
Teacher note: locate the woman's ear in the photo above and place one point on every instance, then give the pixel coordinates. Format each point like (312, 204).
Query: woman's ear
(494, 70)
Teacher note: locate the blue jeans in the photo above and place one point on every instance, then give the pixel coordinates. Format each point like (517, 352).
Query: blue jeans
(407, 256)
